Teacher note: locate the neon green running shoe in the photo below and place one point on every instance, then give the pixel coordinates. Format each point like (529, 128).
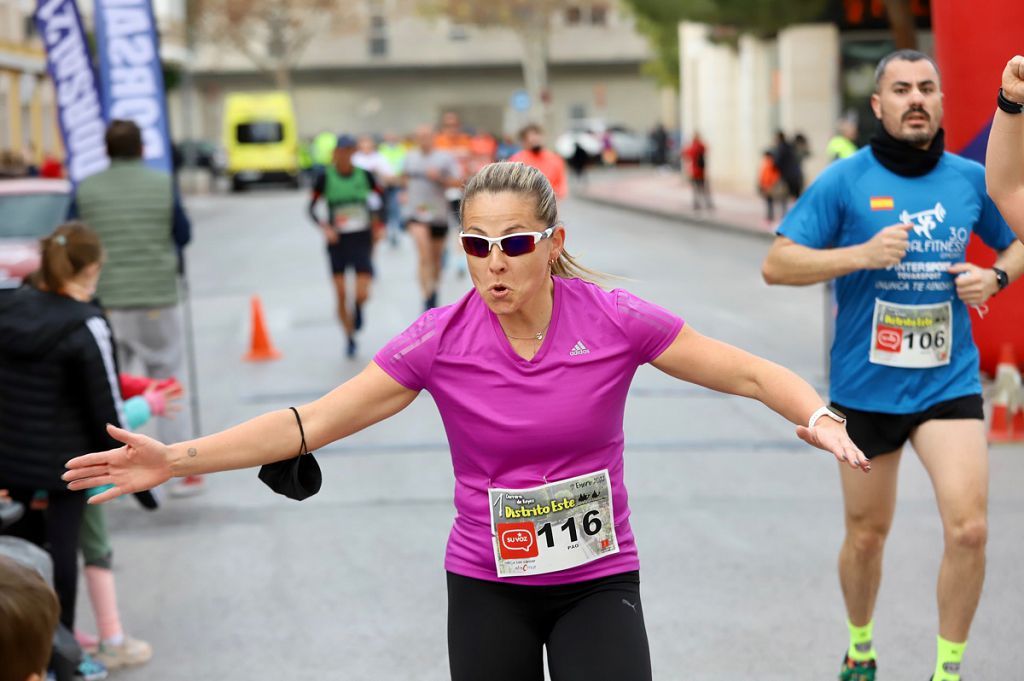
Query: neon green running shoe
(857, 671)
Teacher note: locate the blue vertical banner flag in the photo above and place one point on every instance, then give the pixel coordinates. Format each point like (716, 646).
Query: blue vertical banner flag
(81, 120)
(131, 79)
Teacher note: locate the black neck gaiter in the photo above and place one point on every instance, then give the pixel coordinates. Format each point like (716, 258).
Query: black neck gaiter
(904, 159)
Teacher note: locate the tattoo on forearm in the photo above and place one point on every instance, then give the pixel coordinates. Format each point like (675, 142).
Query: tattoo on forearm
(192, 452)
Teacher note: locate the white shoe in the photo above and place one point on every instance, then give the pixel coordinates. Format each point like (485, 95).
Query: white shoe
(131, 652)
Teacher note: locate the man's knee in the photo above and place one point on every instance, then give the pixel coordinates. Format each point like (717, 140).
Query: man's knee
(866, 538)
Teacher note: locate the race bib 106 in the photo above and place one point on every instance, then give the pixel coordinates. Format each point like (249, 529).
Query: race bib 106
(911, 336)
(553, 527)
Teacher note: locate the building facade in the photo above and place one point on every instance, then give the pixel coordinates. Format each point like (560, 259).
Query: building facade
(738, 93)
(27, 118)
(394, 69)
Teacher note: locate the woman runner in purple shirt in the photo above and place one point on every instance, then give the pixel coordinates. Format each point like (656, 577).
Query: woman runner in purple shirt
(530, 372)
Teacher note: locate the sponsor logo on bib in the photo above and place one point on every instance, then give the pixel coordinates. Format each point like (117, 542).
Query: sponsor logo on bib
(517, 540)
(889, 339)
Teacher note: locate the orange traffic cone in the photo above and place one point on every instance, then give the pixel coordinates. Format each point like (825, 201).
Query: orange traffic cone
(261, 349)
(1004, 399)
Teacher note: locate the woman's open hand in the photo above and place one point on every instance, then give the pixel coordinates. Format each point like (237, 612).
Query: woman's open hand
(831, 436)
(141, 464)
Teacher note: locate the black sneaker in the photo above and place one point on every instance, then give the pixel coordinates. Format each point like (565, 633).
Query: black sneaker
(357, 318)
(857, 671)
(431, 301)
(350, 351)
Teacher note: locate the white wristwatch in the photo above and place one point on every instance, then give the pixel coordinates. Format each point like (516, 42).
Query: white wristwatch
(828, 411)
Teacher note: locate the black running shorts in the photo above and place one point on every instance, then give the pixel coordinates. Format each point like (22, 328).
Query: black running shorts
(438, 230)
(879, 433)
(353, 250)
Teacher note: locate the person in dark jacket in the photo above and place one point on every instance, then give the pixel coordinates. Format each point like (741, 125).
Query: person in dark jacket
(58, 389)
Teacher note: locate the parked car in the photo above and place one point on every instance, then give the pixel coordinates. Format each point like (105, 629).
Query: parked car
(30, 208)
(630, 146)
(202, 154)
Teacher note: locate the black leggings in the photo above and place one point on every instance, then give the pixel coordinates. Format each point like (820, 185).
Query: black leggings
(593, 630)
(56, 529)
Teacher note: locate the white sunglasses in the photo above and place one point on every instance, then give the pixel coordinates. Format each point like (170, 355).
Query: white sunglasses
(511, 245)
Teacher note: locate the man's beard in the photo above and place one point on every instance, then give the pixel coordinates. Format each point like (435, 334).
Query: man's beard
(915, 138)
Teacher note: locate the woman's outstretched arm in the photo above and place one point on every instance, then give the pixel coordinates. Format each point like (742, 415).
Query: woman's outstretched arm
(143, 463)
(719, 366)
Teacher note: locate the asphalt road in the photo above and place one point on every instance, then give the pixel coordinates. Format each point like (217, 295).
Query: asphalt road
(738, 522)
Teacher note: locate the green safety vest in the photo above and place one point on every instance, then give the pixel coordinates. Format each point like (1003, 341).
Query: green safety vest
(394, 154)
(339, 189)
(305, 156)
(323, 148)
(839, 147)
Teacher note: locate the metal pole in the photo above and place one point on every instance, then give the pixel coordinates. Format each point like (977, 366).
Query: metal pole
(187, 100)
(830, 324)
(188, 161)
(190, 354)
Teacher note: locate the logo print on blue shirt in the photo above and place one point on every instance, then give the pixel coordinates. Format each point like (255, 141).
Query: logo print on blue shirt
(924, 220)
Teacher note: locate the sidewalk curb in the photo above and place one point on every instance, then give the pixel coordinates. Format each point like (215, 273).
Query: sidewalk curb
(695, 220)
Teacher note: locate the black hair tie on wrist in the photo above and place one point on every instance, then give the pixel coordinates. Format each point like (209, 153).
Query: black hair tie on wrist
(1008, 105)
(296, 478)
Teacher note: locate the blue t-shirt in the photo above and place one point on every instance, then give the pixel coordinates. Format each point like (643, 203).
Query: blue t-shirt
(848, 204)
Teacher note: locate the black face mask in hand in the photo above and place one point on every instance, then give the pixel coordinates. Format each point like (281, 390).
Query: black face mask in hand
(296, 478)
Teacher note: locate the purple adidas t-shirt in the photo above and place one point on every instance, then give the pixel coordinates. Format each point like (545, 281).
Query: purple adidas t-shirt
(515, 423)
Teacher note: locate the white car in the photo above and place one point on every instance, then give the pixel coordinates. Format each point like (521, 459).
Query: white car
(630, 146)
(30, 208)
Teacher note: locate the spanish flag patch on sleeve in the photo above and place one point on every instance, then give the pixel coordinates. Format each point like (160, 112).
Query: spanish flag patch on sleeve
(882, 203)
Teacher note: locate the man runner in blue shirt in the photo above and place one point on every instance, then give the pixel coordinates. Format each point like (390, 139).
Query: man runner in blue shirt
(891, 224)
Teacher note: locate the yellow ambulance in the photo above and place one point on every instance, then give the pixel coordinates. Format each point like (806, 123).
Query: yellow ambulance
(260, 139)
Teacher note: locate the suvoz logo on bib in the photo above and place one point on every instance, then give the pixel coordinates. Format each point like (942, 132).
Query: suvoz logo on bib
(889, 339)
(517, 540)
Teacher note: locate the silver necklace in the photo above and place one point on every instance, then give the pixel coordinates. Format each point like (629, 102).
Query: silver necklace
(539, 336)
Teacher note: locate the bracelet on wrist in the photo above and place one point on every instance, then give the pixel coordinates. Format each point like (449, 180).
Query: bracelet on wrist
(1008, 105)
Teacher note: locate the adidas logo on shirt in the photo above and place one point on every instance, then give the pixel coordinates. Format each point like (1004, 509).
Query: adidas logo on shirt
(579, 349)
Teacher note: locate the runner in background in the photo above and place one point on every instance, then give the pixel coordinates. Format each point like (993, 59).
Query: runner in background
(428, 175)
(323, 151)
(546, 161)
(844, 143)
(453, 138)
(393, 149)
(354, 220)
